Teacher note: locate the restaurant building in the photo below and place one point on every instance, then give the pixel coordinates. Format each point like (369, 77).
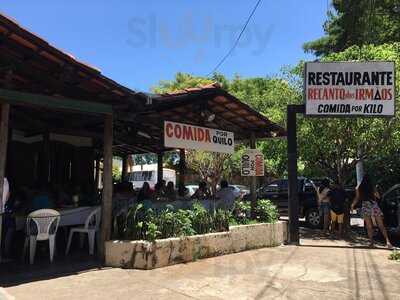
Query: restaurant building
(61, 119)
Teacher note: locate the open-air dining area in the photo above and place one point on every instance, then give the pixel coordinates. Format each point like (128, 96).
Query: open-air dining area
(61, 124)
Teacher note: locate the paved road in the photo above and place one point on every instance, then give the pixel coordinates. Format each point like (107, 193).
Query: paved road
(319, 269)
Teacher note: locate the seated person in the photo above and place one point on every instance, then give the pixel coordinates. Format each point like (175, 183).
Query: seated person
(158, 190)
(163, 186)
(23, 197)
(170, 191)
(41, 199)
(226, 196)
(78, 196)
(145, 193)
(62, 198)
(182, 191)
(88, 196)
(202, 192)
(127, 189)
(123, 195)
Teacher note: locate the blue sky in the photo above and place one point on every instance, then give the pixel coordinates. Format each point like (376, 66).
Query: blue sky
(139, 43)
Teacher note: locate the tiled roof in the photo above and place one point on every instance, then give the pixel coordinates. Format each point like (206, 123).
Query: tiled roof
(18, 42)
(194, 89)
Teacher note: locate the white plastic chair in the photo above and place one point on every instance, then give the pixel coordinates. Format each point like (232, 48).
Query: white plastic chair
(41, 225)
(91, 227)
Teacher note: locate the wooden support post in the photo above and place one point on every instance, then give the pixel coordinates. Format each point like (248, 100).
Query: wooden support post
(45, 165)
(160, 172)
(182, 171)
(253, 184)
(5, 110)
(4, 115)
(124, 168)
(106, 208)
(9, 152)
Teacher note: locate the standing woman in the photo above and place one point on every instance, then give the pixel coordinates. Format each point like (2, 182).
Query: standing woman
(366, 193)
(323, 194)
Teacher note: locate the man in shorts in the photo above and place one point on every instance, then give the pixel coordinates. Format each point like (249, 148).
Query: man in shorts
(338, 197)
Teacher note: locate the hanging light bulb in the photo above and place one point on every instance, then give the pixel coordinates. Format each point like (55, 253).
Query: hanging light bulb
(211, 117)
(207, 116)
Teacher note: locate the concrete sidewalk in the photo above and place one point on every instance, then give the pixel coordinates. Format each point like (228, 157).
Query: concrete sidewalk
(325, 269)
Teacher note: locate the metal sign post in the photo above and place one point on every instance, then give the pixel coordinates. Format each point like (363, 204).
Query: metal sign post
(292, 111)
(253, 184)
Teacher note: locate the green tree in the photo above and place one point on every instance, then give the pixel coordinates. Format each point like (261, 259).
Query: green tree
(269, 96)
(358, 22)
(116, 174)
(144, 159)
(327, 147)
(182, 81)
(171, 159)
(209, 165)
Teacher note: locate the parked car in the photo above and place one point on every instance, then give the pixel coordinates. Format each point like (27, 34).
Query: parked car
(192, 188)
(240, 190)
(390, 206)
(245, 190)
(277, 192)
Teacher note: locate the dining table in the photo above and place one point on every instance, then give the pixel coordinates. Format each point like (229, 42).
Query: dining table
(69, 216)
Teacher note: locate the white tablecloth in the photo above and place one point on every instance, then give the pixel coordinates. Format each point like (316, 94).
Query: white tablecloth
(69, 216)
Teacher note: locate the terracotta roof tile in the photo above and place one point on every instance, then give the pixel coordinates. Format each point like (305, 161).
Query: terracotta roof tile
(211, 86)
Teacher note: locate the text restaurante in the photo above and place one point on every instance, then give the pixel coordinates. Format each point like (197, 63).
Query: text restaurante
(350, 78)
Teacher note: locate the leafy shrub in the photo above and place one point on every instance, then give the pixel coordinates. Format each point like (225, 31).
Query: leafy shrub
(201, 219)
(266, 211)
(184, 222)
(135, 222)
(151, 225)
(152, 232)
(395, 255)
(142, 224)
(167, 223)
(221, 220)
(241, 213)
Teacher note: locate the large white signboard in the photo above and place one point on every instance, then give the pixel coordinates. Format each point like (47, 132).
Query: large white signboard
(178, 135)
(252, 163)
(350, 88)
